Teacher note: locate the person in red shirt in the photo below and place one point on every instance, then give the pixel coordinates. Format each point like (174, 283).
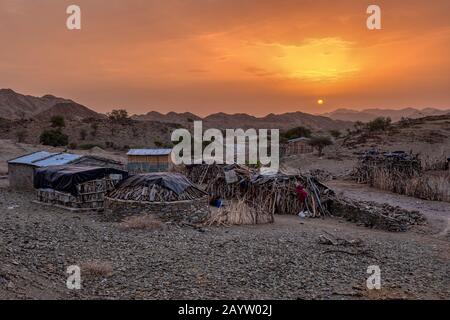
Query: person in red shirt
(302, 195)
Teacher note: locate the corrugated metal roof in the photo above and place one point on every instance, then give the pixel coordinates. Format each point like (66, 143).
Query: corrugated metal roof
(149, 152)
(31, 158)
(45, 159)
(58, 160)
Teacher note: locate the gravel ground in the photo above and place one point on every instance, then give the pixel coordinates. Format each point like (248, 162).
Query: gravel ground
(285, 260)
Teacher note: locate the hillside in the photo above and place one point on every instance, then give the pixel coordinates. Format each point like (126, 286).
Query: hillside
(14, 105)
(241, 120)
(69, 110)
(396, 115)
(171, 117)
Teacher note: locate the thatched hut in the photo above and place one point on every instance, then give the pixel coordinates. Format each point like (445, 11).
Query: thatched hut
(169, 196)
(274, 194)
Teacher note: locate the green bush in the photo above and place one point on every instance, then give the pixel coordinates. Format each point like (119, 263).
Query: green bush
(54, 138)
(379, 124)
(335, 133)
(57, 122)
(297, 132)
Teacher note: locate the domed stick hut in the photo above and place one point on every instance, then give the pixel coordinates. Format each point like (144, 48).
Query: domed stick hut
(169, 196)
(274, 194)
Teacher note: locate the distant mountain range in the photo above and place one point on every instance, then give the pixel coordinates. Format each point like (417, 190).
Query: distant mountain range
(242, 120)
(370, 114)
(15, 106)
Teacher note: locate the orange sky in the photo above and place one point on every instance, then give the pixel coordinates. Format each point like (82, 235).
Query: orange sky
(205, 56)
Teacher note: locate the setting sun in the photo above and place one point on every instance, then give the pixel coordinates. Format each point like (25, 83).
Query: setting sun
(320, 102)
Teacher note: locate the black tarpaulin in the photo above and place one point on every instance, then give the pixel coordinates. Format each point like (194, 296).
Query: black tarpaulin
(66, 178)
(172, 181)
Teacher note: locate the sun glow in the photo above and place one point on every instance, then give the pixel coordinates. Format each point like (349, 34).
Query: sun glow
(326, 59)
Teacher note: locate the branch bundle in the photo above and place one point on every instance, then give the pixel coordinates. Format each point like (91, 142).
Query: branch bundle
(155, 193)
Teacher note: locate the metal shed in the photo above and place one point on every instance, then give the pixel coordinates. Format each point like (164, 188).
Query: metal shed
(21, 170)
(149, 160)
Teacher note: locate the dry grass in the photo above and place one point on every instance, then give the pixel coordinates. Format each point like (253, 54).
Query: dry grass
(144, 222)
(429, 187)
(436, 161)
(96, 268)
(239, 213)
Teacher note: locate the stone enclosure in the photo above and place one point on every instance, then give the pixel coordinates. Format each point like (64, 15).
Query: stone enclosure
(188, 211)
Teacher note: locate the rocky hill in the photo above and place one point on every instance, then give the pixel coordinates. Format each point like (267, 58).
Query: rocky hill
(14, 105)
(171, 117)
(396, 115)
(242, 120)
(69, 110)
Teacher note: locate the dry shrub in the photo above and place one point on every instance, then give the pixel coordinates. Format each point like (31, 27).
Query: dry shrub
(144, 222)
(428, 187)
(96, 268)
(434, 161)
(435, 188)
(238, 213)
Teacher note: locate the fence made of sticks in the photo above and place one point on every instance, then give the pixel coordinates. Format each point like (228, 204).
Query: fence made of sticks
(403, 174)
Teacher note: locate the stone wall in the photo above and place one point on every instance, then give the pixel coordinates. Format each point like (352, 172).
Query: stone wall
(195, 211)
(374, 215)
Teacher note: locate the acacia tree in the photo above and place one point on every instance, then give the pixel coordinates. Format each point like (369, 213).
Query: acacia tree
(118, 115)
(319, 143)
(335, 133)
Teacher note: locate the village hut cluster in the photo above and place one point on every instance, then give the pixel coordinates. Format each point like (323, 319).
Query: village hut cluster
(146, 185)
(196, 194)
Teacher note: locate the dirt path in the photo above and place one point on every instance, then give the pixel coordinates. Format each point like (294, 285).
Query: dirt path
(436, 212)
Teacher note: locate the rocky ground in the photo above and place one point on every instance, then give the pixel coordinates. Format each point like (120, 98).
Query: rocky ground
(285, 260)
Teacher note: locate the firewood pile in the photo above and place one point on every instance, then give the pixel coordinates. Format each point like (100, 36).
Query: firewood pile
(91, 195)
(151, 188)
(155, 193)
(276, 194)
